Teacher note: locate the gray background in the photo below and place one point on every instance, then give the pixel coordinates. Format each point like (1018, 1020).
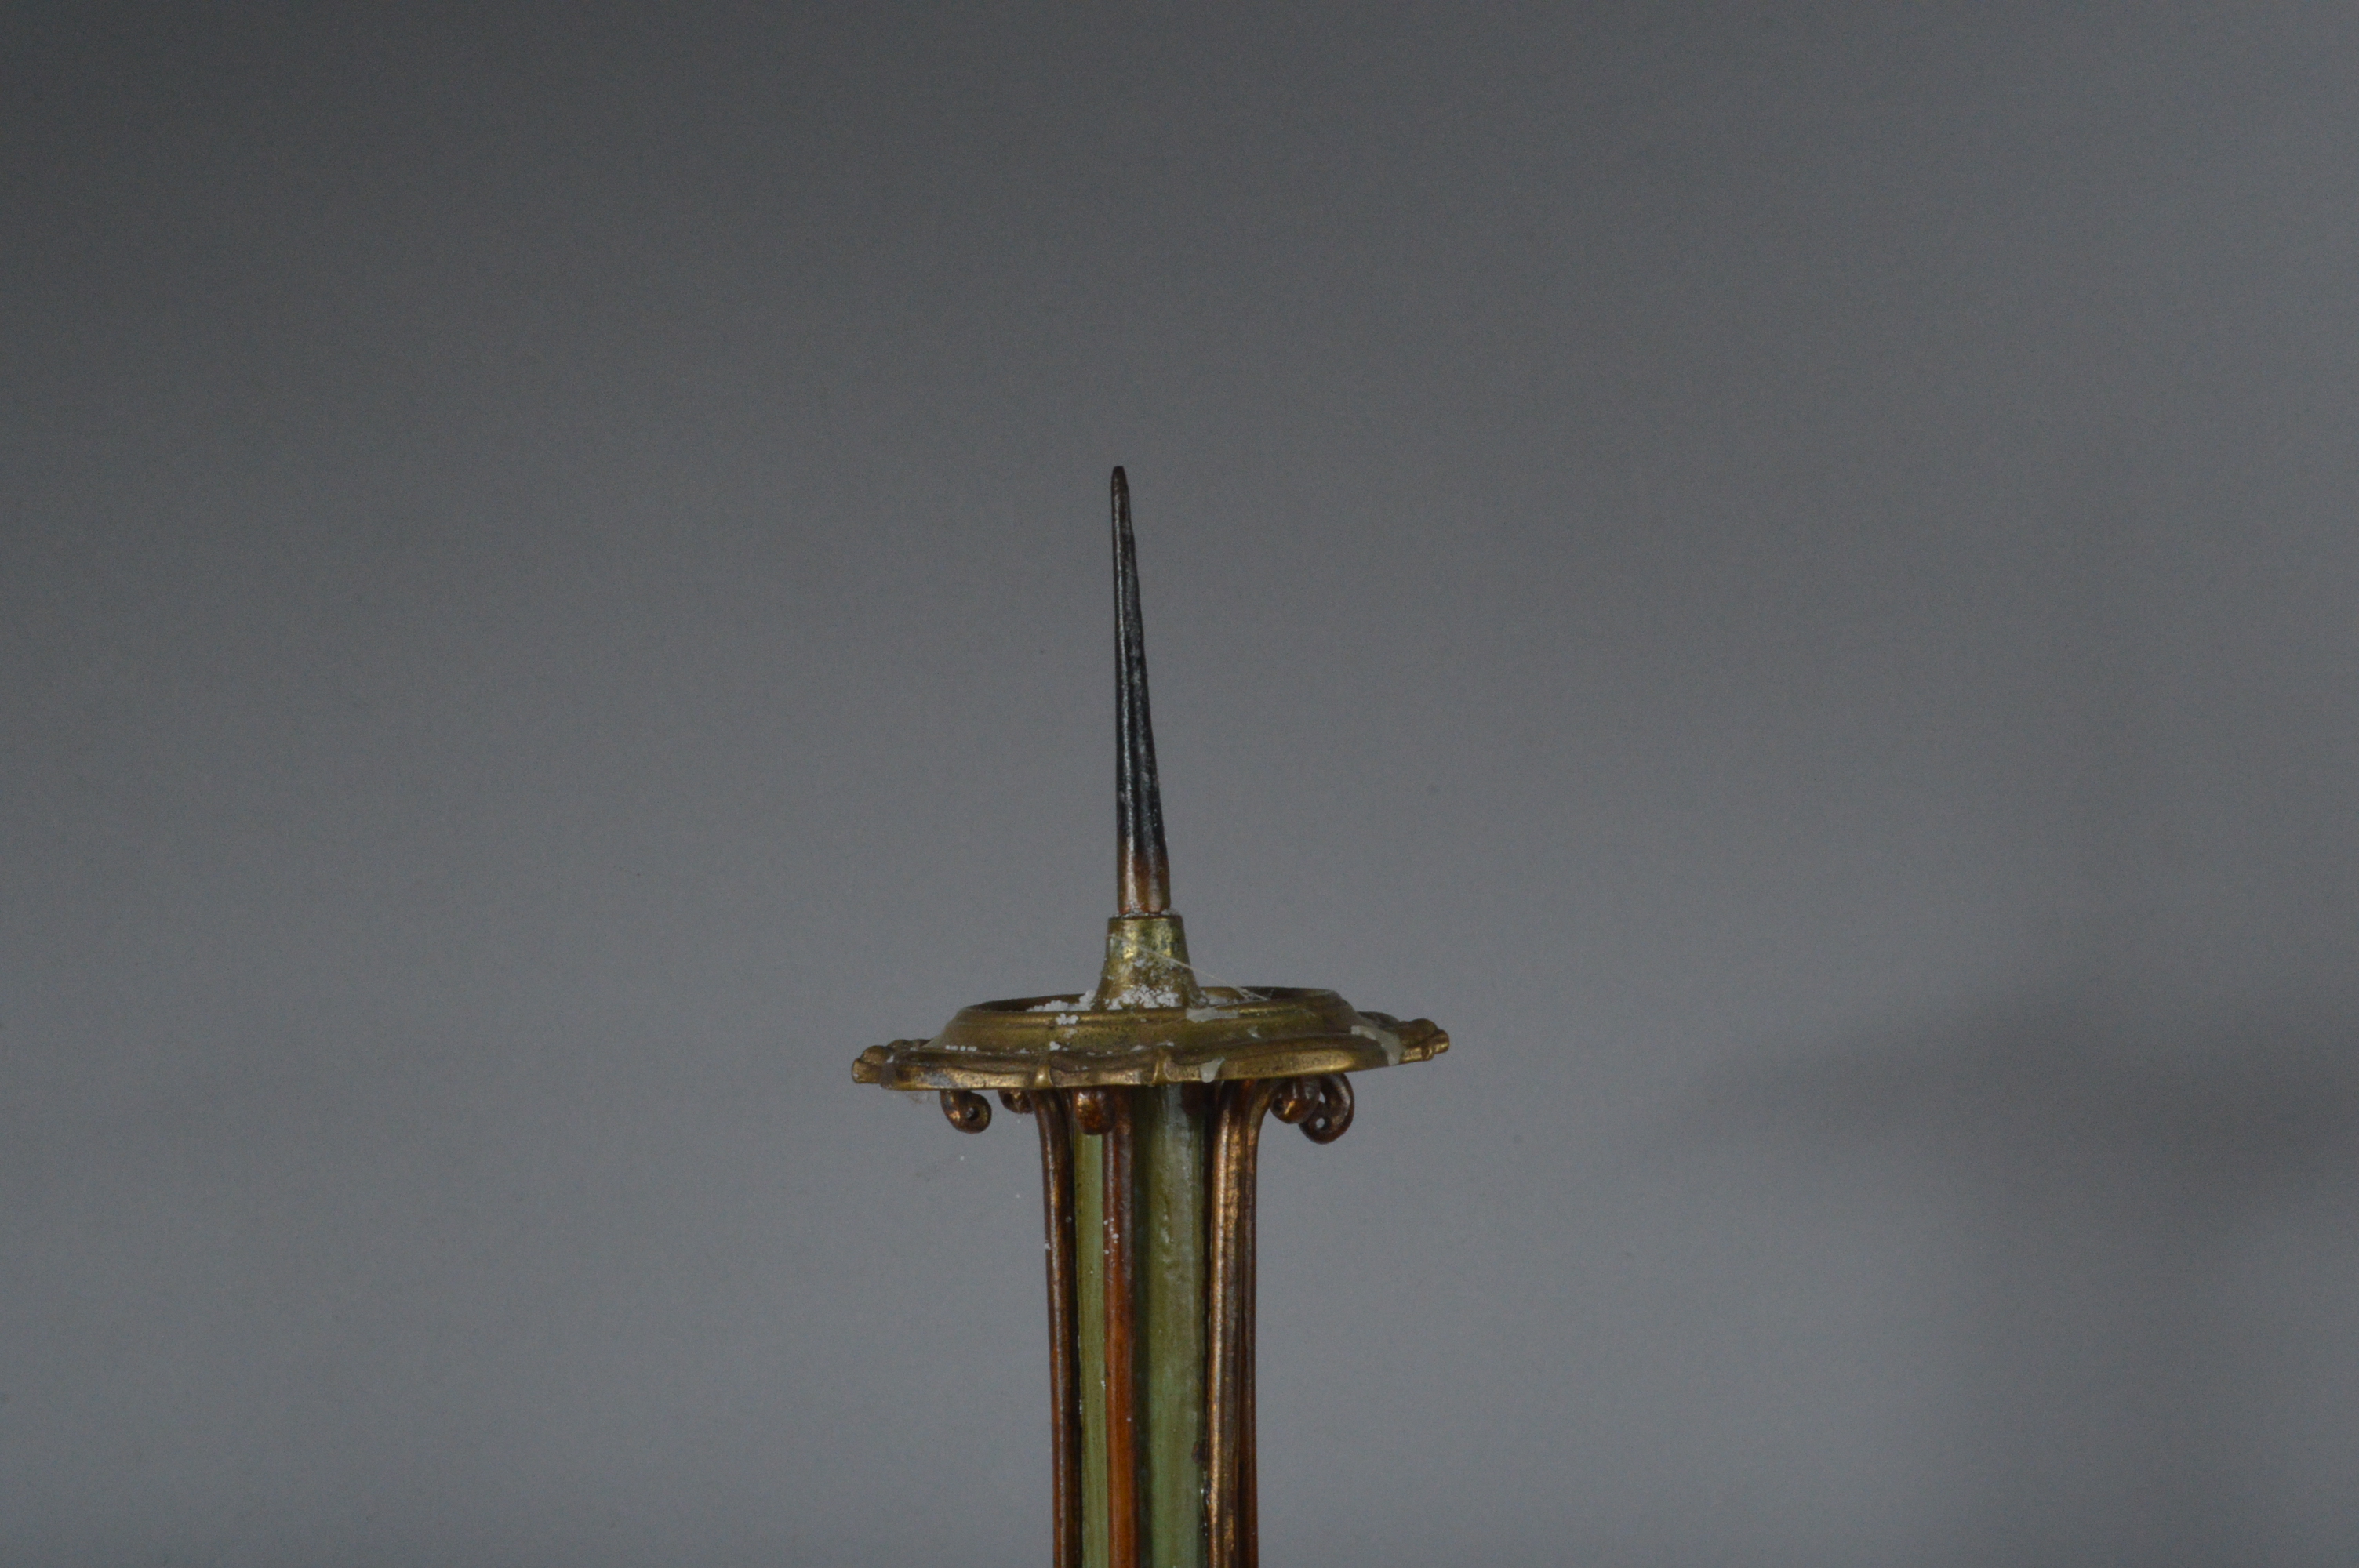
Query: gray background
(1786, 573)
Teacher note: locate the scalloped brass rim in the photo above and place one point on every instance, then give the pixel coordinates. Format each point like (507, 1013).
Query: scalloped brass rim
(1029, 1042)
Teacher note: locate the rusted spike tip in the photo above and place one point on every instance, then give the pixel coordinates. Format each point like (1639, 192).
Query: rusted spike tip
(1142, 868)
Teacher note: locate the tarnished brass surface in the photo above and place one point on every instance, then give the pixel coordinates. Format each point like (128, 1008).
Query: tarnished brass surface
(1057, 1041)
(1140, 1317)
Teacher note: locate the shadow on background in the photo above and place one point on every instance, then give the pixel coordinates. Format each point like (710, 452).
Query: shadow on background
(2148, 1234)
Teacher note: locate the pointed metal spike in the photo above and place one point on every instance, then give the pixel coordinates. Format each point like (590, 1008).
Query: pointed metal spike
(1143, 869)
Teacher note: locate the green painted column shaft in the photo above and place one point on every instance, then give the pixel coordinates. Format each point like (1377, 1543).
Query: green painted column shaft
(1173, 1136)
(1089, 1314)
(1172, 1129)
(1146, 966)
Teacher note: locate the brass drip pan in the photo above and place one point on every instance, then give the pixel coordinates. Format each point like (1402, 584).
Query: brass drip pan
(1059, 1043)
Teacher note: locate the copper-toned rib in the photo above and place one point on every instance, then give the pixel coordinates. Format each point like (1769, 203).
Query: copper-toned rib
(1249, 1418)
(1229, 1503)
(1143, 869)
(1053, 1113)
(1123, 1497)
(1322, 1107)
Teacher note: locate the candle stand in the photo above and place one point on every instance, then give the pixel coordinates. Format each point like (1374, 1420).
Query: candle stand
(1148, 1096)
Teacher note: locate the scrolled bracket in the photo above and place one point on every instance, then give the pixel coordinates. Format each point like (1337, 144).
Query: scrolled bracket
(967, 1110)
(1321, 1107)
